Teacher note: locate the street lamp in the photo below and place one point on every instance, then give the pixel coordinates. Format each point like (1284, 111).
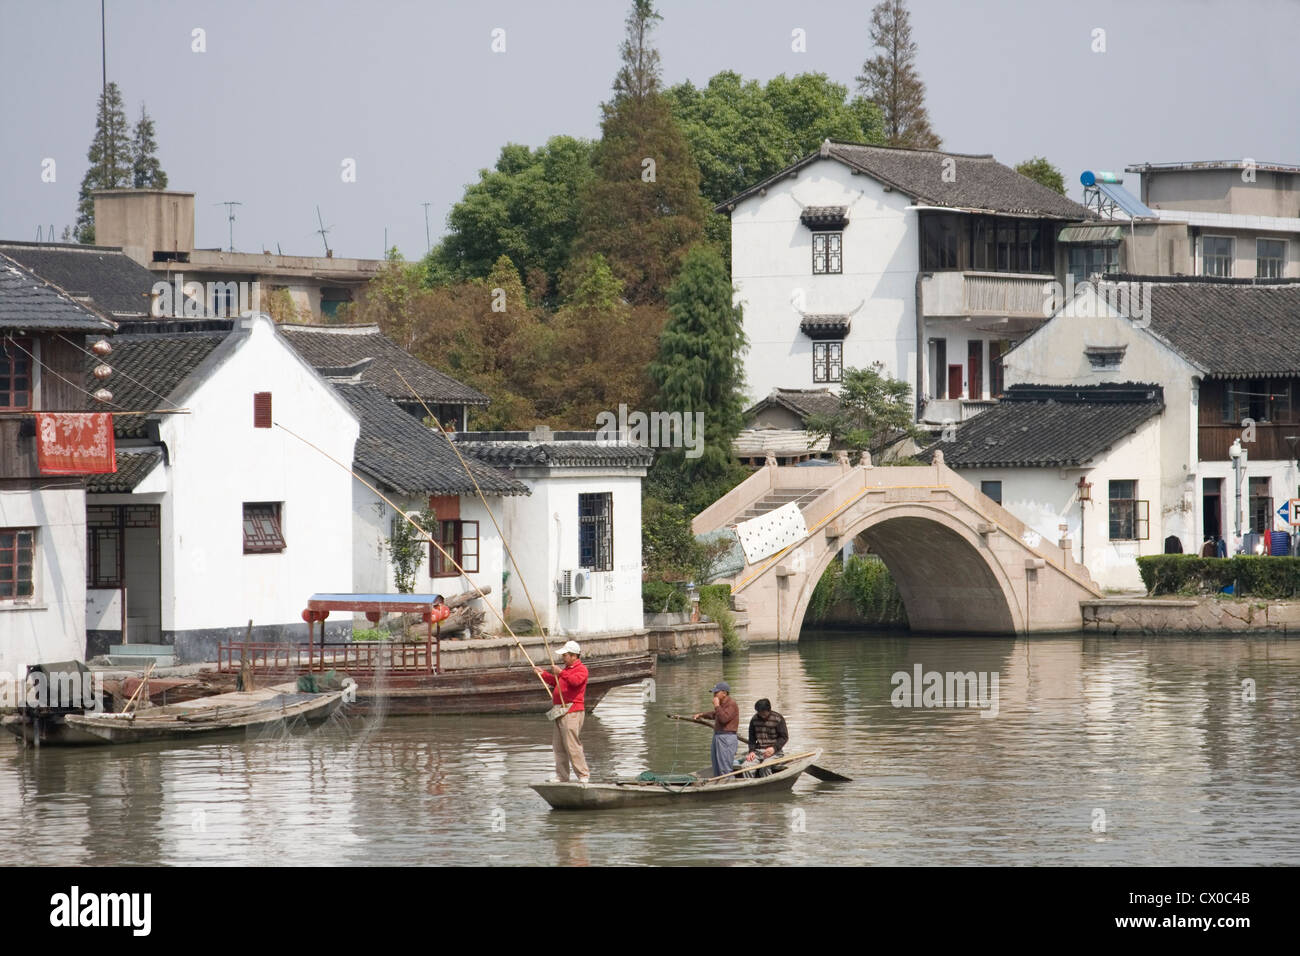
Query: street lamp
(1085, 495)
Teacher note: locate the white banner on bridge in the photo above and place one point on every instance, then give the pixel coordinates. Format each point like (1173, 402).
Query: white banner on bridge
(767, 534)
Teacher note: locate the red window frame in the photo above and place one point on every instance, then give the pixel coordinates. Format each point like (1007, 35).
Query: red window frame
(16, 366)
(263, 529)
(17, 555)
(460, 540)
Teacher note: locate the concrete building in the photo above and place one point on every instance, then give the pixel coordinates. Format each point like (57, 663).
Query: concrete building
(577, 534)
(931, 263)
(1223, 219)
(1222, 354)
(43, 332)
(155, 227)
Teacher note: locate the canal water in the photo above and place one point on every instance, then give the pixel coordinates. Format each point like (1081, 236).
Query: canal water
(1101, 751)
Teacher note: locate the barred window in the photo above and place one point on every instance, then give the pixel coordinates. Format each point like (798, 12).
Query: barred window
(596, 531)
(826, 252)
(17, 558)
(263, 530)
(1216, 256)
(1270, 258)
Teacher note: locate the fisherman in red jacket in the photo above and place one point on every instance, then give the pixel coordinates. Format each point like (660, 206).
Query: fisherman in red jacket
(567, 739)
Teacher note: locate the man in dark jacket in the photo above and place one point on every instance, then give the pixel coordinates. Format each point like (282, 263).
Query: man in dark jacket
(767, 734)
(726, 721)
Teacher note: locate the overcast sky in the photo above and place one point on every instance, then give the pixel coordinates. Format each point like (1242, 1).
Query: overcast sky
(286, 91)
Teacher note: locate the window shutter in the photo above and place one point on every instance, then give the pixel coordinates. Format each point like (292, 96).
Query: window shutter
(261, 409)
(446, 507)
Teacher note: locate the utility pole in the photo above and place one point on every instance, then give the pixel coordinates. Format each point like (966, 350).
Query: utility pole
(428, 243)
(230, 215)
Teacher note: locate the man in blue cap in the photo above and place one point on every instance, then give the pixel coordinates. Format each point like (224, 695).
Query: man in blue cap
(726, 720)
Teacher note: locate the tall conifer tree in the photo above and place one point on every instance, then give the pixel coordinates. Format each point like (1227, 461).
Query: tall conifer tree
(146, 171)
(889, 79)
(110, 160)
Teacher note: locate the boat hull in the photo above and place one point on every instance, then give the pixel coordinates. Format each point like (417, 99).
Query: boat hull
(610, 796)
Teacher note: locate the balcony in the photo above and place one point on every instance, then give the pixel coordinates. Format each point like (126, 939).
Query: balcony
(1270, 442)
(1013, 301)
(940, 411)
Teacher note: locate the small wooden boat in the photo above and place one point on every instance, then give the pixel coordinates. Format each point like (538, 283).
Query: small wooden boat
(689, 790)
(271, 708)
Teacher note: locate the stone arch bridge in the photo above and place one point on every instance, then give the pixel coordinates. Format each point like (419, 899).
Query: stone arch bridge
(962, 563)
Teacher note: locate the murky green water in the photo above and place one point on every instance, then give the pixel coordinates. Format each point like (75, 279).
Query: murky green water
(1103, 751)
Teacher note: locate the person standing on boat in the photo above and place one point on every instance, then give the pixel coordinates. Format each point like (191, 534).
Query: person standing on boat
(570, 683)
(726, 720)
(767, 734)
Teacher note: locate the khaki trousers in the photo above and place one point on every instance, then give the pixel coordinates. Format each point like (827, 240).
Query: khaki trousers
(568, 746)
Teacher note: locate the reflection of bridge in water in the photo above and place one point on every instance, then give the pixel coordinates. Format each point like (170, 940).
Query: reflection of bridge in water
(962, 563)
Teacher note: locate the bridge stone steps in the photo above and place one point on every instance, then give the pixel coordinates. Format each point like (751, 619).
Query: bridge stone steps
(778, 499)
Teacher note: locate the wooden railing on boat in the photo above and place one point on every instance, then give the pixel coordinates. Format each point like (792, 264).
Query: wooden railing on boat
(355, 657)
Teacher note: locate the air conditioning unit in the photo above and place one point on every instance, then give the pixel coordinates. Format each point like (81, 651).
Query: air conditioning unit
(574, 584)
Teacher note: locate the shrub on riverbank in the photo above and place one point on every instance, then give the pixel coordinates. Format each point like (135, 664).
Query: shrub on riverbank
(715, 604)
(659, 597)
(864, 587)
(1187, 574)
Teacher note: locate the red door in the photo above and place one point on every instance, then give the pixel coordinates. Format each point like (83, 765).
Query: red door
(975, 360)
(954, 381)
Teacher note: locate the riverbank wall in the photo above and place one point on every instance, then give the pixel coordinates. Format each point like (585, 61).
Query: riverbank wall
(1144, 615)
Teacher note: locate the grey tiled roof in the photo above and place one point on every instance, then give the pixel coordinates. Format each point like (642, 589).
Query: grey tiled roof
(512, 454)
(802, 401)
(132, 468)
(408, 458)
(115, 283)
(335, 347)
(824, 217)
(969, 182)
(1230, 328)
(32, 303)
(824, 326)
(1049, 426)
(147, 368)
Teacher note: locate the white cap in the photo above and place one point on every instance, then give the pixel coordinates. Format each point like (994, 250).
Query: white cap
(571, 647)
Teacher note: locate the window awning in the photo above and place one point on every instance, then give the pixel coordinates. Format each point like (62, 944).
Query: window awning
(1091, 234)
(825, 217)
(825, 326)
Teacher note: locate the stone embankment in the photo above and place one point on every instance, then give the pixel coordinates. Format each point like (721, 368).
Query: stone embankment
(1143, 615)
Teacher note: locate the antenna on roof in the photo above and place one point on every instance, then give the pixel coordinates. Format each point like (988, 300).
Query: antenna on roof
(323, 230)
(230, 215)
(428, 243)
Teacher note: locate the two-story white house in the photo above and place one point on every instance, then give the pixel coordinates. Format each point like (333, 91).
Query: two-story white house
(930, 263)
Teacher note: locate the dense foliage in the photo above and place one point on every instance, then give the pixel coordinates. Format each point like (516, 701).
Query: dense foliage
(1042, 172)
(875, 412)
(862, 584)
(1252, 575)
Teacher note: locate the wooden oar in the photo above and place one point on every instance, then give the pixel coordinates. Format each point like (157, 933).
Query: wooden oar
(821, 773)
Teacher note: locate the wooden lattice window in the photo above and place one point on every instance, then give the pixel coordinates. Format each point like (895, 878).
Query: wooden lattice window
(826, 252)
(15, 374)
(17, 559)
(263, 532)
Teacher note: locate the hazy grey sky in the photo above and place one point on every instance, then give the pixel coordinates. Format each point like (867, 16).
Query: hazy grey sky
(413, 92)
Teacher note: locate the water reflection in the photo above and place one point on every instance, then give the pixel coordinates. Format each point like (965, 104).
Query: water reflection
(1156, 735)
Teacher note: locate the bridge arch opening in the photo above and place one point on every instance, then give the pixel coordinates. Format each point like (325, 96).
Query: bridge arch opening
(948, 580)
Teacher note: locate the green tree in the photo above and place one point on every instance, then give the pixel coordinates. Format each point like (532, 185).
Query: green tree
(810, 108)
(643, 208)
(890, 79)
(875, 412)
(1042, 172)
(525, 208)
(146, 170)
(700, 369)
(110, 160)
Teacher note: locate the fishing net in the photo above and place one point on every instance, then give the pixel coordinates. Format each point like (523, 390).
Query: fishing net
(677, 779)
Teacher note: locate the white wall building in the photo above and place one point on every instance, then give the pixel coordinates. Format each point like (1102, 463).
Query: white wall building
(1224, 356)
(929, 263)
(221, 512)
(583, 514)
